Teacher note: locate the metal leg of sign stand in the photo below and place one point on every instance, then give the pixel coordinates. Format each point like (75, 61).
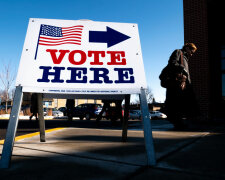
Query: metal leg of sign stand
(11, 130)
(147, 129)
(41, 117)
(125, 119)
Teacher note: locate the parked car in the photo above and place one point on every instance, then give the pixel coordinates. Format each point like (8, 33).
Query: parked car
(112, 113)
(4, 107)
(89, 110)
(135, 114)
(63, 109)
(45, 111)
(157, 115)
(55, 112)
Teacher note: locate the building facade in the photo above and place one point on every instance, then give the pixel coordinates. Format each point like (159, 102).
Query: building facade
(56, 103)
(203, 26)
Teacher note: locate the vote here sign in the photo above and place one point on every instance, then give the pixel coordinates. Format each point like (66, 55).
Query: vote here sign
(81, 57)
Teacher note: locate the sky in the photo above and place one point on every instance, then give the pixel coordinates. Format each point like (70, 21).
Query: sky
(160, 25)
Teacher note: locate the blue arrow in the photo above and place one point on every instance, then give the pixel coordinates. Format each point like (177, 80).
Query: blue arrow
(110, 36)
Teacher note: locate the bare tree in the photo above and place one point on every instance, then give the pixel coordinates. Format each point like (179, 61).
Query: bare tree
(7, 77)
(2, 95)
(149, 96)
(137, 99)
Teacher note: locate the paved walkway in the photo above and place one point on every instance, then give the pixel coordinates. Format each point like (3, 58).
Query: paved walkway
(84, 153)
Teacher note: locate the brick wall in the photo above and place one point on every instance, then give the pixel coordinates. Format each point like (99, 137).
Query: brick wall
(196, 31)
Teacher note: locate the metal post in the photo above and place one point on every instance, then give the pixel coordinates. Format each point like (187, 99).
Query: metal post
(41, 117)
(11, 130)
(125, 118)
(147, 129)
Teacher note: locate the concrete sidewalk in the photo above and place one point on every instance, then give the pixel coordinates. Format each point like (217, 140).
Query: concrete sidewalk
(82, 153)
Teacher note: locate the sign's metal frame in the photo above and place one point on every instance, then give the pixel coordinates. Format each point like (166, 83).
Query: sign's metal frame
(88, 90)
(14, 118)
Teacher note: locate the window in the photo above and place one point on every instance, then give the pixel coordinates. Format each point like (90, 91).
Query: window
(47, 103)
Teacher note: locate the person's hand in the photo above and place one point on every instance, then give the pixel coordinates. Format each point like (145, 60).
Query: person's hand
(183, 82)
(183, 85)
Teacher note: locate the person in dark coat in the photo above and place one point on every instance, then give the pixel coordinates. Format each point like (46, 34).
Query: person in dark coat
(180, 101)
(70, 103)
(119, 114)
(34, 106)
(105, 108)
(114, 113)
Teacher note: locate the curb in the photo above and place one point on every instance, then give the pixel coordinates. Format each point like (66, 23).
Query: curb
(18, 138)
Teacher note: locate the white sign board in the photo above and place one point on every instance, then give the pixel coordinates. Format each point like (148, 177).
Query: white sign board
(81, 57)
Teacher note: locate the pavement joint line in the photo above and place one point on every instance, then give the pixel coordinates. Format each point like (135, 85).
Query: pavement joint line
(181, 147)
(18, 138)
(101, 129)
(188, 172)
(79, 156)
(178, 170)
(142, 169)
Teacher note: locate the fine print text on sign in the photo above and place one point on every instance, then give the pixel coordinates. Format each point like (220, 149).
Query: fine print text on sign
(65, 56)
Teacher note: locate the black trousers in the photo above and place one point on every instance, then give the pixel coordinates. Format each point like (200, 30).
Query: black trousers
(180, 104)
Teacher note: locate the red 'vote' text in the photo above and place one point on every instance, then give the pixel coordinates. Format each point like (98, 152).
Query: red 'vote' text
(79, 57)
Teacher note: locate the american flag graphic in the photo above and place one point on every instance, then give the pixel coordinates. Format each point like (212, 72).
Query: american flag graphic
(53, 36)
